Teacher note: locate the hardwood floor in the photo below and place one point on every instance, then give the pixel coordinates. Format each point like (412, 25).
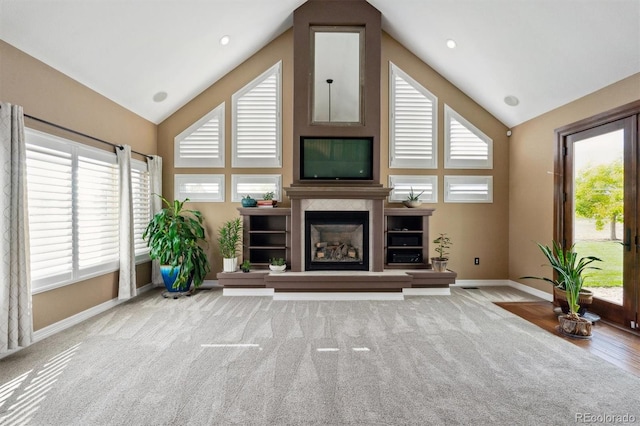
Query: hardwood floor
(617, 346)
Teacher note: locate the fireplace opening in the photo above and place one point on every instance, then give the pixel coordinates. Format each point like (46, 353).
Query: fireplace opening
(337, 240)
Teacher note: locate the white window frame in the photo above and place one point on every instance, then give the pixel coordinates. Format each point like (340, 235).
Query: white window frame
(259, 162)
(179, 161)
(73, 149)
(267, 183)
(402, 184)
(450, 163)
(451, 182)
(141, 202)
(211, 197)
(410, 163)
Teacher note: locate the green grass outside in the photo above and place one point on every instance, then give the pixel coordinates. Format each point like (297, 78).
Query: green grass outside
(610, 273)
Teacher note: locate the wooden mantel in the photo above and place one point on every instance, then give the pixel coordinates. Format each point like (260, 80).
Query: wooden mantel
(353, 192)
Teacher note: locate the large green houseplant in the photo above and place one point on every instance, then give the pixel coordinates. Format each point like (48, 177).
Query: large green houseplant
(569, 268)
(174, 236)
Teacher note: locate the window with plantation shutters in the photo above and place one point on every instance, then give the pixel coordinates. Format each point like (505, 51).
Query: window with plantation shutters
(200, 187)
(412, 123)
(257, 122)
(50, 197)
(255, 186)
(424, 186)
(141, 192)
(73, 210)
(202, 143)
(466, 147)
(97, 205)
(468, 189)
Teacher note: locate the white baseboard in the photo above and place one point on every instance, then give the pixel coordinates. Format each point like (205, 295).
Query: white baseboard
(59, 326)
(321, 295)
(248, 292)
(533, 291)
(437, 291)
(481, 283)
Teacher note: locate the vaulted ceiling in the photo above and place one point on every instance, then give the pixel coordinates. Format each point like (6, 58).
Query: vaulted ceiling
(545, 53)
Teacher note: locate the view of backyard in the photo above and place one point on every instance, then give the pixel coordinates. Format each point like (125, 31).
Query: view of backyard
(605, 283)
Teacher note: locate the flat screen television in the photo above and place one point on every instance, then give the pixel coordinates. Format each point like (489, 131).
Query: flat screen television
(328, 158)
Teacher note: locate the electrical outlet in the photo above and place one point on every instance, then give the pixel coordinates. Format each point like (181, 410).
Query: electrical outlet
(476, 261)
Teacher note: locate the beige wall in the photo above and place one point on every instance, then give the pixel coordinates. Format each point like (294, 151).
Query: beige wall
(50, 95)
(531, 165)
(478, 230)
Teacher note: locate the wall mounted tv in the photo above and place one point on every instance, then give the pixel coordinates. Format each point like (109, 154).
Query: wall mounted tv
(325, 158)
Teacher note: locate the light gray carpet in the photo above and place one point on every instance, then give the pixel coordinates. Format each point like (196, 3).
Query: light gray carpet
(455, 359)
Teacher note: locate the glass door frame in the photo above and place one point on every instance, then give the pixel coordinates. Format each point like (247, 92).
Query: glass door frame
(625, 117)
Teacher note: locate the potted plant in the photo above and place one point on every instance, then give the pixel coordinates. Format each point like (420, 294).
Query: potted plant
(439, 263)
(246, 266)
(174, 236)
(569, 269)
(229, 238)
(412, 200)
(247, 201)
(277, 264)
(267, 200)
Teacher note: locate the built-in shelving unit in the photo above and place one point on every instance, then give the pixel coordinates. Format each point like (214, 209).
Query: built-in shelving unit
(406, 238)
(266, 235)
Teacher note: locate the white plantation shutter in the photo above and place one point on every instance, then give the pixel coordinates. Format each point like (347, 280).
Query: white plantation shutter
(402, 185)
(466, 147)
(468, 189)
(97, 206)
(256, 122)
(200, 187)
(141, 192)
(202, 143)
(255, 186)
(50, 187)
(412, 123)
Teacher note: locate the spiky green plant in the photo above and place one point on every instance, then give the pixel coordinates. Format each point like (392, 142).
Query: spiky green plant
(229, 238)
(569, 270)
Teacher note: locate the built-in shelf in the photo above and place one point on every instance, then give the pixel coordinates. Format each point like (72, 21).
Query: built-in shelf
(406, 239)
(266, 235)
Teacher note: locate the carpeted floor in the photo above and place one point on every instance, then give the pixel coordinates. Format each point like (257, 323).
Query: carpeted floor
(214, 360)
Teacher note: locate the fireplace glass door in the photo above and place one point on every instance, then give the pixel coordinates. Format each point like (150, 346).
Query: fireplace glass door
(336, 240)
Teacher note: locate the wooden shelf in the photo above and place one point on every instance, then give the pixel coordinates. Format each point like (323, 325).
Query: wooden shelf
(266, 235)
(407, 238)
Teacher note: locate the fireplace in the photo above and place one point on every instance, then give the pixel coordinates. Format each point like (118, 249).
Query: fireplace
(336, 240)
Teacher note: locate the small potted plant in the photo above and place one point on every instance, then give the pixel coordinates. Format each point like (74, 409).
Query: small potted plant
(267, 200)
(569, 269)
(246, 266)
(229, 238)
(439, 263)
(277, 264)
(413, 200)
(247, 201)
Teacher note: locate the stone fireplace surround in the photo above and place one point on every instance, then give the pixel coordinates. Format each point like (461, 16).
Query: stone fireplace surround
(342, 198)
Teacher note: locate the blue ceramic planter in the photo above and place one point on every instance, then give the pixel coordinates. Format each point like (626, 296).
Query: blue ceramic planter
(169, 278)
(249, 202)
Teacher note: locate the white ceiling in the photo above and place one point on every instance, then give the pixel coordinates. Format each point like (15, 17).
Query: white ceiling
(545, 52)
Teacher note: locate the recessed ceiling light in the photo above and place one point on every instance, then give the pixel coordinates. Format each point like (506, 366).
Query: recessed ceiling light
(511, 100)
(160, 96)
(451, 44)
(224, 40)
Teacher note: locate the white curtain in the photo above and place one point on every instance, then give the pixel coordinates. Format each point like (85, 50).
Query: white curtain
(16, 325)
(155, 180)
(127, 284)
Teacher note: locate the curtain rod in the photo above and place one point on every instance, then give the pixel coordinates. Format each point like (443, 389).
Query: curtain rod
(82, 134)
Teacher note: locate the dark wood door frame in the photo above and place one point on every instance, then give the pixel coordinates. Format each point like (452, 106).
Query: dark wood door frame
(608, 310)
